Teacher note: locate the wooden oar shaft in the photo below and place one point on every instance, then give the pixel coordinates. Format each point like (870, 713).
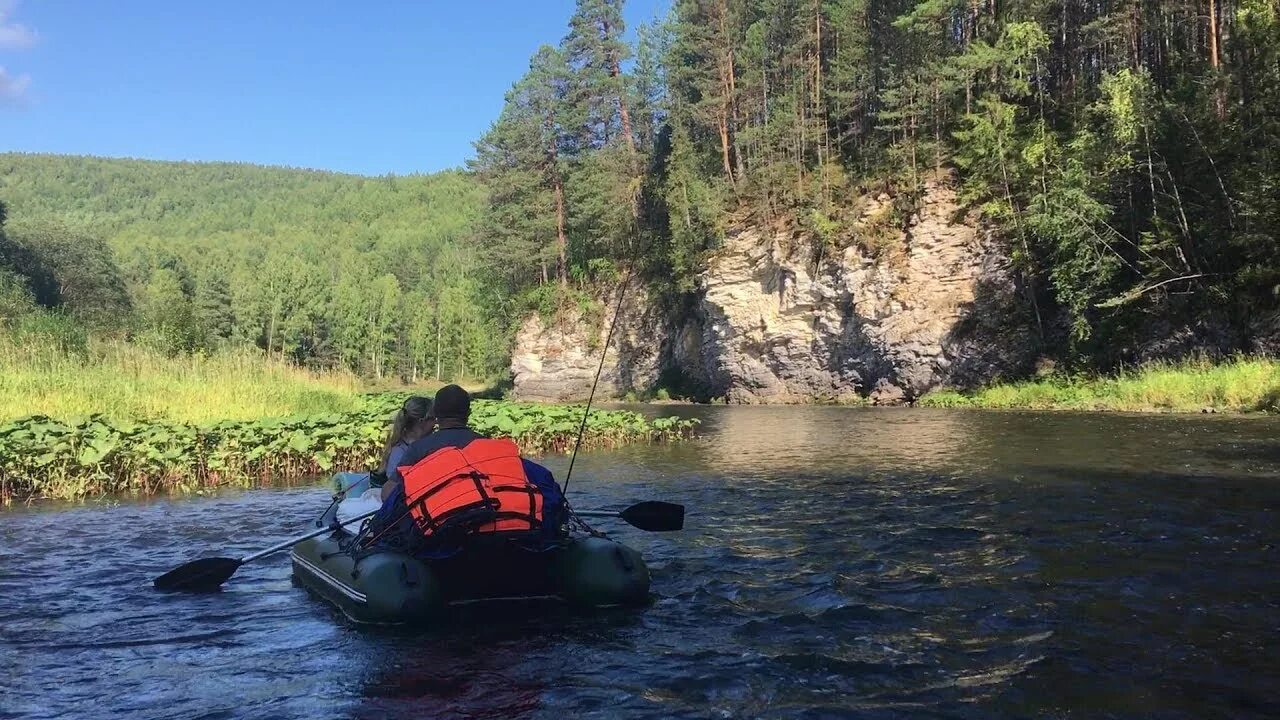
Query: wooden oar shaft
(294, 541)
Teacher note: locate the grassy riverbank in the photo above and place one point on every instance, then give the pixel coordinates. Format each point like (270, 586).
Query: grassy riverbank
(44, 374)
(1238, 385)
(119, 419)
(122, 381)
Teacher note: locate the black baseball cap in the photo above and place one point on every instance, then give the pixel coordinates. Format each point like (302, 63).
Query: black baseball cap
(452, 402)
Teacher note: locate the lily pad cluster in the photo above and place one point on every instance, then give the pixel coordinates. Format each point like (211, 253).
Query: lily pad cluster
(44, 457)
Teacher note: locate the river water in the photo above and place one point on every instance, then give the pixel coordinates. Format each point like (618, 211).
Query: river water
(836, 563)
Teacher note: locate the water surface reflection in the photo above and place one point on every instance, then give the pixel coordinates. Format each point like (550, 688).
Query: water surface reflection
(838, 563)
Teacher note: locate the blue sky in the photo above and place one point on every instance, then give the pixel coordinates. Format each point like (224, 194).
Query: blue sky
(382, 86)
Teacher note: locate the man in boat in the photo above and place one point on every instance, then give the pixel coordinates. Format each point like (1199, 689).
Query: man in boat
(451, 413)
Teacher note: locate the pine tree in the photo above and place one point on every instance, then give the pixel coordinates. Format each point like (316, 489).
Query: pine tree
(600, 97)
(701, 69)
(650, 84)
(520, 160)
(603, 183)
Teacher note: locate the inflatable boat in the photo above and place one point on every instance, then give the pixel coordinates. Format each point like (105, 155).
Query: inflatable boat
(392, 588)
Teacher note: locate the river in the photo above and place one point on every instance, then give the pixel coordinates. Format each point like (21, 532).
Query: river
(837, 562)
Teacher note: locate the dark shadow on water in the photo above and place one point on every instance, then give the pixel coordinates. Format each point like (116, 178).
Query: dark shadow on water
(480, 660)
(507, 620)
(1267, 451)
(446, 681)
(1146, 567)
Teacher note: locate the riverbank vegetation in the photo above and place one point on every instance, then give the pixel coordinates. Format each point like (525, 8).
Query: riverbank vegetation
(82, 416)
(51, 367)
(70, 375)
(44, 457)
(1239, 385)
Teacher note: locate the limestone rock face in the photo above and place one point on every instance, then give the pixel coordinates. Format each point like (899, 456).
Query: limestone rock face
(779, 318)
(557, 361)
(937, 307)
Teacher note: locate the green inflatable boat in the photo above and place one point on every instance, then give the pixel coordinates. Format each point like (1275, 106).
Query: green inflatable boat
(389, 587)
(392, 588)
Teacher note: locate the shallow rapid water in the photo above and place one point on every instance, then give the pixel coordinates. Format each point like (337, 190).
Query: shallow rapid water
(836, 563)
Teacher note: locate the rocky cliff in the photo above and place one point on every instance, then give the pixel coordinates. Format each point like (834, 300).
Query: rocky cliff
(884, 311)
(557, 361)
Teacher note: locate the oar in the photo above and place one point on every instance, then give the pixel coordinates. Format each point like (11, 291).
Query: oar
(207, 574)
(651, 515)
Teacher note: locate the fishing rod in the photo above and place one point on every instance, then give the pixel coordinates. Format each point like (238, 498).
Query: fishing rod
(582, 427)
(617, 310)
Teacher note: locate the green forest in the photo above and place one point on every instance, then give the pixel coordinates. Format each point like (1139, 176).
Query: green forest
(1127, 152)
(376, 275)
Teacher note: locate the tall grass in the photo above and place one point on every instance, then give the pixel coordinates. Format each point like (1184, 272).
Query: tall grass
(41, 375)
(104, 417)
(1241, 384)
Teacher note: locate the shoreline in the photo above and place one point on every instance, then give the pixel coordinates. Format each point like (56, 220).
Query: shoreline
(1240, 386)
(1234, 412)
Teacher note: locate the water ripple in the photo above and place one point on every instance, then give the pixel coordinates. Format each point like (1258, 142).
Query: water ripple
(926, 565)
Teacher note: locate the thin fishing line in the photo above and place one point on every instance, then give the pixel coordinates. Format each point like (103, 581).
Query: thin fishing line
(582, 427)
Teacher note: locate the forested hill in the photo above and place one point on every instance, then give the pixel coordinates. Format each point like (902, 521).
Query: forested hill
(1128, 153)
(323, 268)
(1126, 156)
(190, 200)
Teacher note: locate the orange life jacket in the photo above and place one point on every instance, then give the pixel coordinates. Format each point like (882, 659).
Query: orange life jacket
(481, 487)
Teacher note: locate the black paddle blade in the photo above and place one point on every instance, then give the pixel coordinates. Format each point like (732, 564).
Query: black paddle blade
(203, 575)
(655, 516)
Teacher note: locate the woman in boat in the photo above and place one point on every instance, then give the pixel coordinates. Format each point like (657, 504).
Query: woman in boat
(414, 421)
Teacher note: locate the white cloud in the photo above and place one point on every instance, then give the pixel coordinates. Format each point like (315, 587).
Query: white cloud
(13, 88)
(14, 36)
